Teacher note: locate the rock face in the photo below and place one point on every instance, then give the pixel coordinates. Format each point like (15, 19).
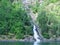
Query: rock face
(33, 16)
(28, 38)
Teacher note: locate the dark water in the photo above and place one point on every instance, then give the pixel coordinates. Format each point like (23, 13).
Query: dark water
(28, 43)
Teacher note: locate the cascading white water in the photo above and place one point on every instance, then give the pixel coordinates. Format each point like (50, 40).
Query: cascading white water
(36, 36)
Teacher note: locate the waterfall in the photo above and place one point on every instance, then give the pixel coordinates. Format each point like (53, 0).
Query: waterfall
(26, 3)
(36, 35)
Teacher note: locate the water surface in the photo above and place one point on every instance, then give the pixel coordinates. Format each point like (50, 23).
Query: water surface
(27, 43)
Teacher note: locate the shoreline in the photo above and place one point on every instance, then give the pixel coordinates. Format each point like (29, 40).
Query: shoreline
(22, 40)
(28, 39)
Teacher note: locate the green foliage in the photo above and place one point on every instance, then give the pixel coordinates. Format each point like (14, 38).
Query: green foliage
(35, 7)
(49, 19)
(50, 1)
(14, 19)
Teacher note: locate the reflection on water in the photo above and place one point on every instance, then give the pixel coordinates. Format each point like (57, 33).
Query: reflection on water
(36, 43)
(46, 43)
(28, 43)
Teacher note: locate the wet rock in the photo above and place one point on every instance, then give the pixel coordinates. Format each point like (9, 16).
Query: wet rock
(28, 38)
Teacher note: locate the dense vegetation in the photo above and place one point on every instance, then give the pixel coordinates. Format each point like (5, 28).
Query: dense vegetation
(49, 15)
(14, 19)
